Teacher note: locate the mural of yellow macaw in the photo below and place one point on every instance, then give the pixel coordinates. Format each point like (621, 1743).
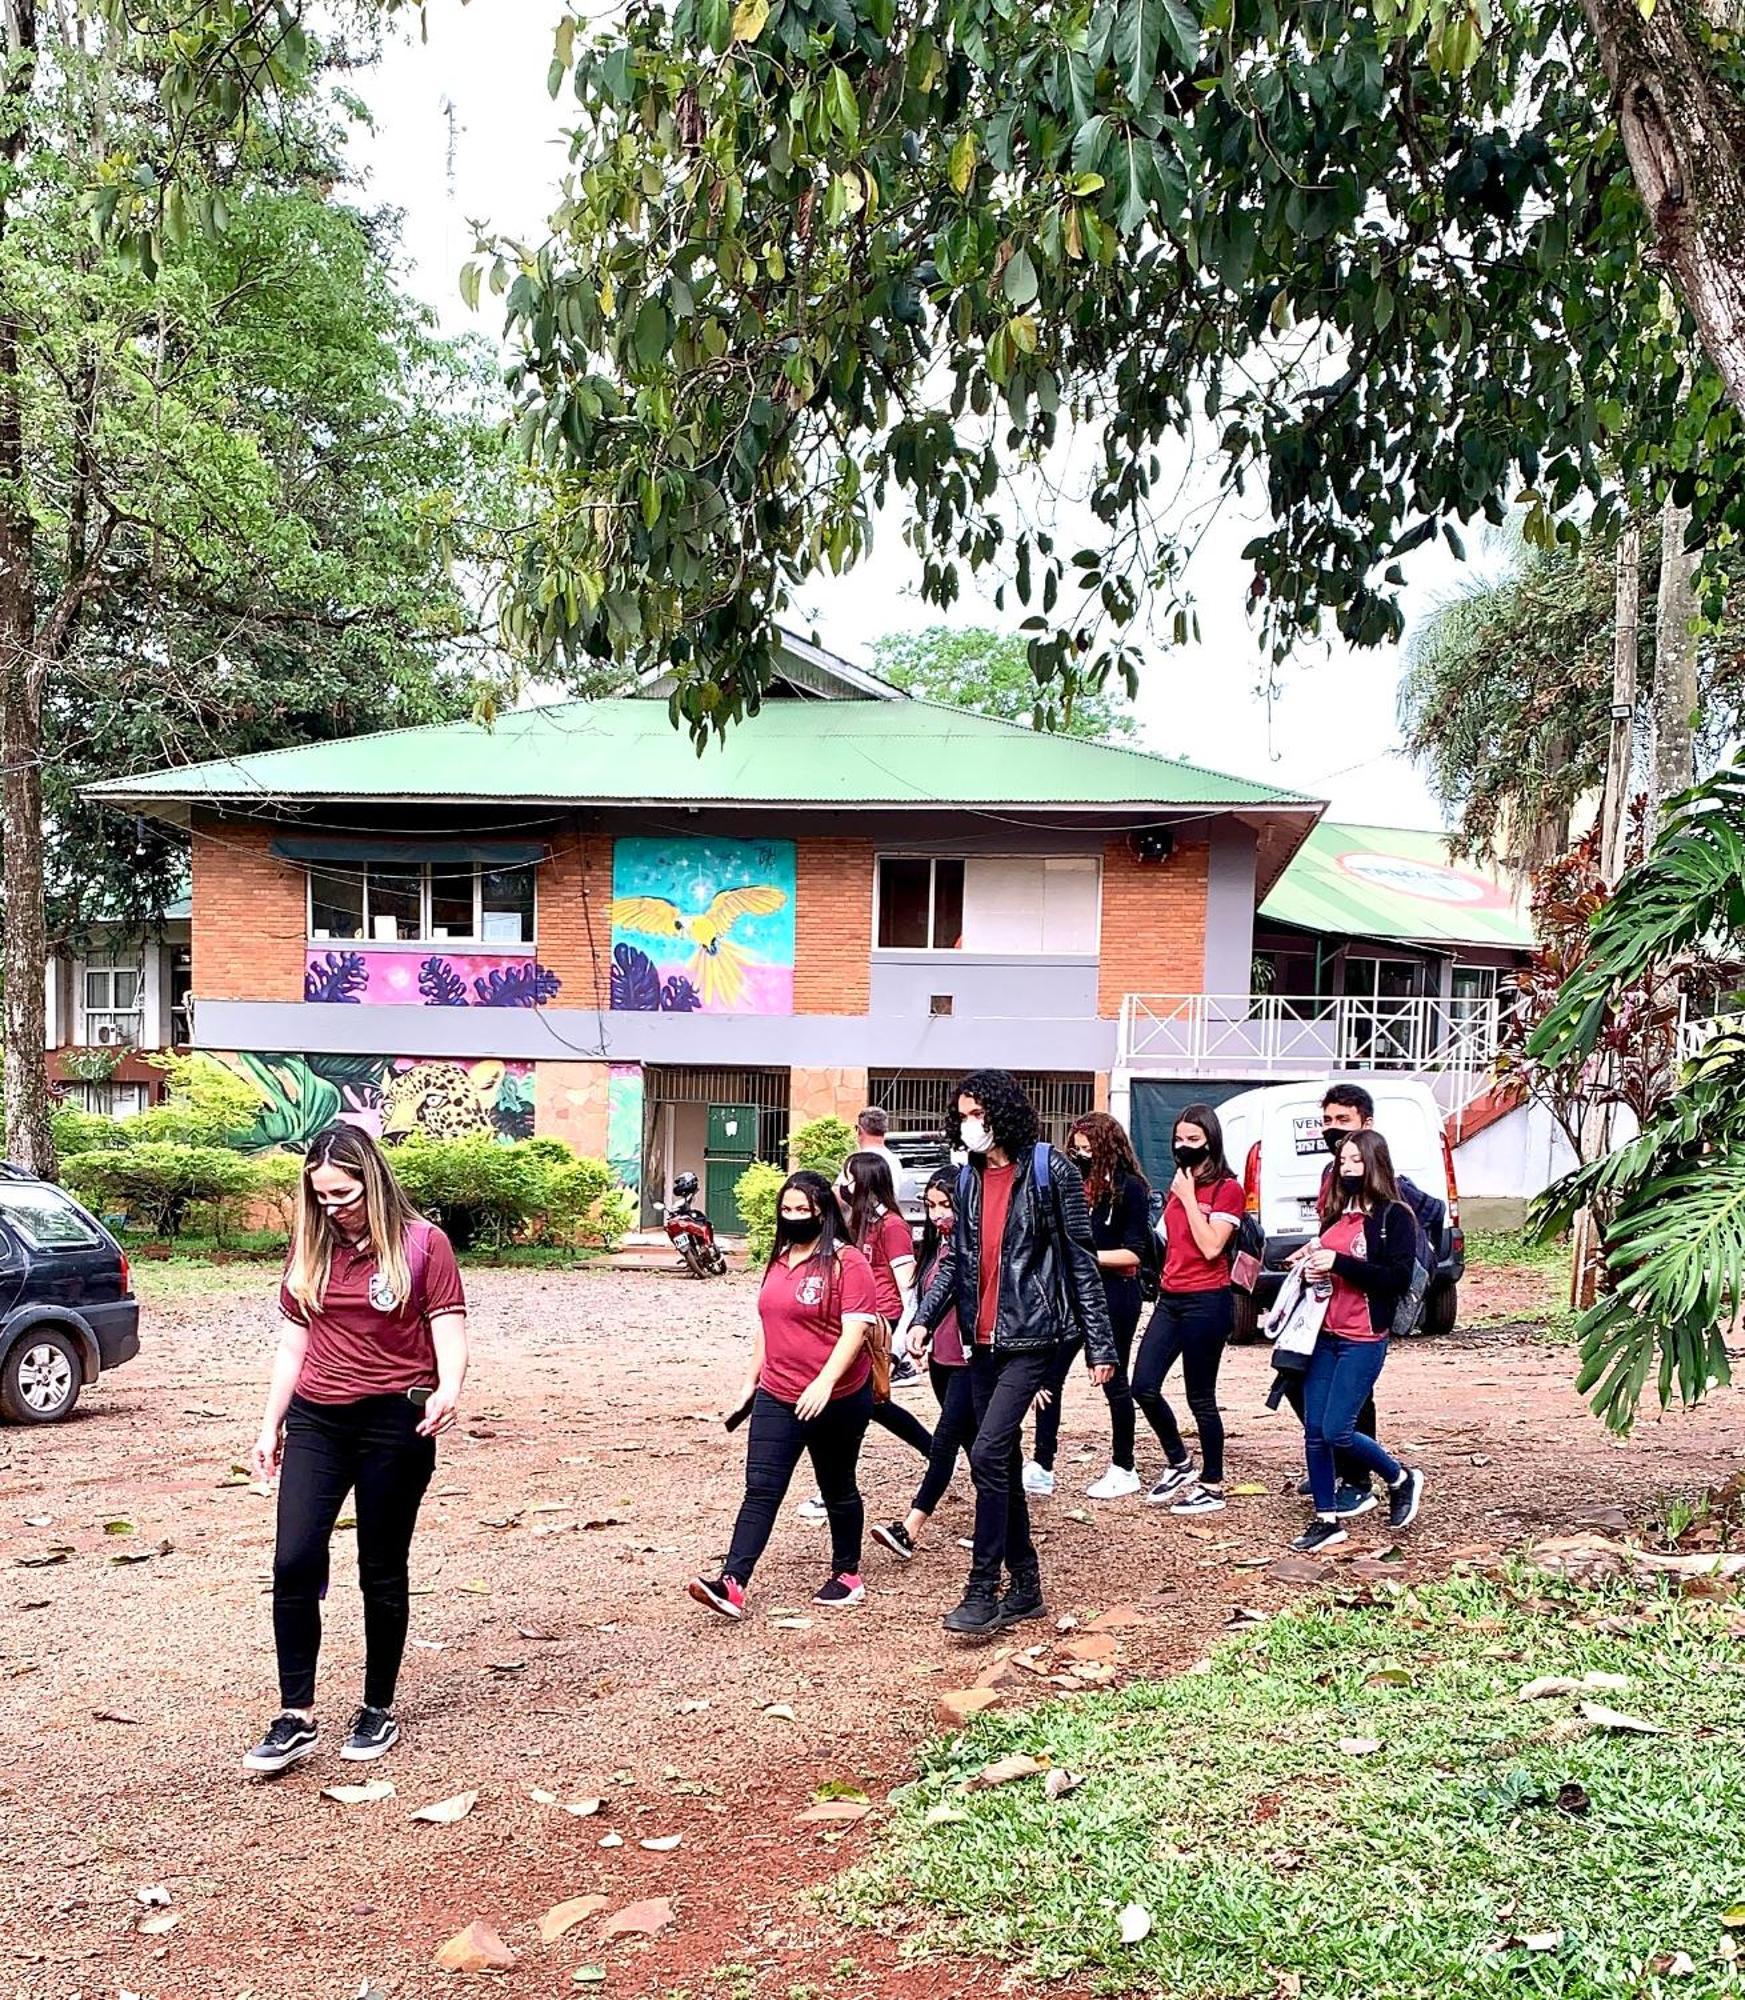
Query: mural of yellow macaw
(719, 964)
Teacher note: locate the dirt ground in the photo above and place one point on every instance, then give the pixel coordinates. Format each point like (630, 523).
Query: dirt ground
(555, 1651)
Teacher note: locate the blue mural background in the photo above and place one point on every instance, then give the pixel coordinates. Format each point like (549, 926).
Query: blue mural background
(702, 923)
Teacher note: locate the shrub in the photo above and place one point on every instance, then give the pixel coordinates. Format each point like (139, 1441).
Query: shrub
(77, 1131)
(486, 1193)
(157, 1184)
(207, 1105)
(277, 1176)
(757, 1190)
(821, 1146)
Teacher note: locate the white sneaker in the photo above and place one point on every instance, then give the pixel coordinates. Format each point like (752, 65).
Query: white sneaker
(1037, 1480)
(813, 1510)
(1171, 1484)
(1115, 1484)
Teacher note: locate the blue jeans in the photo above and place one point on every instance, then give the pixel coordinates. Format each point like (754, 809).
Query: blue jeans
(1341, 1379)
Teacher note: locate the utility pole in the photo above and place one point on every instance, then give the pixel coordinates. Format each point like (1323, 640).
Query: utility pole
(1620, 753)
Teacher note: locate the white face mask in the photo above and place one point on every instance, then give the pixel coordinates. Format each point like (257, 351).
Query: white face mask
(976, 1135)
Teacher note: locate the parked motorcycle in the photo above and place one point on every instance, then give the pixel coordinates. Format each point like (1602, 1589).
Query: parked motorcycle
(691, 1232)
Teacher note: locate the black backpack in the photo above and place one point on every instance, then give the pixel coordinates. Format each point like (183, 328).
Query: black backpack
(1151, 1258)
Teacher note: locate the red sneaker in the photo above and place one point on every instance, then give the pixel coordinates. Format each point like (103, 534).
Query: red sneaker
(842, 1590)
(725, 1594)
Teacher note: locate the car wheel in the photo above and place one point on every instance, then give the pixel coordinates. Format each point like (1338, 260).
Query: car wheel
(41, 1378)
(1440, 1304)
(1244, 1317)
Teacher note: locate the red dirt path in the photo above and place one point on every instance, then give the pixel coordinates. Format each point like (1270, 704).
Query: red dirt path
(591, 1398)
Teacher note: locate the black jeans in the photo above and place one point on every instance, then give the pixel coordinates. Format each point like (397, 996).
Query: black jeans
(1350, 1469)
(1125, 1302)
(370, 1448)
(954, 1432)
(903, 1424)
(1002, 1388)
(1192, 1327)
(775, 1442)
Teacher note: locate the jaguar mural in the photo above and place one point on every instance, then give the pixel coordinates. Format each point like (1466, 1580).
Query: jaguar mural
(390, 1096)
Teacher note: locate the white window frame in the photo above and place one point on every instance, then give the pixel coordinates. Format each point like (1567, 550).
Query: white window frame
(955, 955)
(475, 942)
(109, 1012)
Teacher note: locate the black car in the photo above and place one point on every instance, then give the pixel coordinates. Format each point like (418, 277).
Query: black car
(67, 1310)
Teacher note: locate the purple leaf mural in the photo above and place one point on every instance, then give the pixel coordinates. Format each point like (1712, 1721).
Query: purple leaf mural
(440, 984)
(679, 996)
(337, 978)
(529, 985)
(635, 983)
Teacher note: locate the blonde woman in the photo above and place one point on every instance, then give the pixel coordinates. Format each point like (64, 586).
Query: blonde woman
(369, 1369)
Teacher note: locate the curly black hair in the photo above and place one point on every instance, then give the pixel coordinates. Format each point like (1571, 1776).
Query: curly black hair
(1011, 1116)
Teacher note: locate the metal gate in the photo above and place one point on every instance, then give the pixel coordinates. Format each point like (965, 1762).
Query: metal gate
(917, 1100)
(663, 1084)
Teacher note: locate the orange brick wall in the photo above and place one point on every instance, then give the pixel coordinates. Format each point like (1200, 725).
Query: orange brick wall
(1154, 924)
(833, 907)
(575, 920)
(251, 914)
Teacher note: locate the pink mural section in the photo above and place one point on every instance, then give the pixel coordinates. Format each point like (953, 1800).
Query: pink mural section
(423, 977)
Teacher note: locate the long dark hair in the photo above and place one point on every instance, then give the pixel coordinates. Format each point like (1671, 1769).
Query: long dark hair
(1379, 1185)
(1112, 1155)
(1011, 1116)
(822, 1197)
(932, 1242)
(870, 1190)
(1214, 1167)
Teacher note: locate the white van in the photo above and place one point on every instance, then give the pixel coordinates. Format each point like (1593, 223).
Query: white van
(1272, 1139)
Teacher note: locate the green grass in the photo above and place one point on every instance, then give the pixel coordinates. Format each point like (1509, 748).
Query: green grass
(1221, 1802)
(1515, 1249)
(186, 1277)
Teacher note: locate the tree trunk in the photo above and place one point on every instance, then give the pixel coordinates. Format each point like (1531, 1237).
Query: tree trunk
(1675, 664)
(1684, 132)
(1626, 621)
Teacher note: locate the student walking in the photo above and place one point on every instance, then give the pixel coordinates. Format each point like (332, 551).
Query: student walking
(809, 1391)
(1367, 1248)
(1120, 1203)
(1020, 1272)
(1192, 1319)
(947, 1368)
(370, 1365)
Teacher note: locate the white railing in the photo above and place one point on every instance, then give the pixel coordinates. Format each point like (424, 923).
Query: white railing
(1269, 1034)
(1693, 1033)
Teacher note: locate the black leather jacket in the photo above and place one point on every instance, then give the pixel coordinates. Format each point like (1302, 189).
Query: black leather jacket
(1051, 1287)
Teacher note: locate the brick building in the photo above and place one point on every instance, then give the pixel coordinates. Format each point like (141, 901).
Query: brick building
(573, 924)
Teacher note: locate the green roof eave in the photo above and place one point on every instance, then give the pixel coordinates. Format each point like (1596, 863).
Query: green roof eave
(1395, 883)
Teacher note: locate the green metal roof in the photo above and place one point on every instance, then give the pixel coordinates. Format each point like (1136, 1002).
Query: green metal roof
(626, 751)
(1388, 882)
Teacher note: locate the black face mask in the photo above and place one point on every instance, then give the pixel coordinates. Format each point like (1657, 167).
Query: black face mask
(1081, 1160)
(1190, 1156)
(802, 1229)
(1349, 1181)
(1333, 1137)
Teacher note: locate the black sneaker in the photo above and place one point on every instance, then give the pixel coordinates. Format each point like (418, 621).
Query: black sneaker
(1318, 1535)
(287, 1742)
(904, 1370)
(1405, 1499)
(1305, 1489)
(1350, 1501)
(979, 1613)
(373, 1731)
(1022, 1598)
(725, 1594)
(841, 1591)
(896, 1538)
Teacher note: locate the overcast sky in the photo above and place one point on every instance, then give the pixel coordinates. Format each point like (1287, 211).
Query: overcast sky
(465, 132)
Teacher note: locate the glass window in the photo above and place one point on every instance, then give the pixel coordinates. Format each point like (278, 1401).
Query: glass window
(506, 905)
(451, 901)
(947, 905)
(905, 902)
(336, 903)
(43, 1218)
(396, 904)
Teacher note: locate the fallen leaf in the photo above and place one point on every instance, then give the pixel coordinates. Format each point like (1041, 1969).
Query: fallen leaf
(1673, 1964)
(640, 1919)
(1572, 1799)
(359, 1795)
(792, 1624)
(446, 1811)
(38, 1520)
(611, 1840)
(118, 1527)
(582, 1808)
(944, 1815)
(1541, 1941)
(1297, 1569)
(238, 1475)
(695, 1707)
(1058, 1783)
(1611, 1683)
(956, 1706)
(532, 1632)
(133, 1556)
(153, 1894)
(663, 1845)
(1135, 1923)
(1244, 1618)
(1094, 1646)
(1005, 1770)
(589, 1975)
(1399, 1677)
(779, 1711)
(476, 1949)
(827, 1810)
(508, 1666)
(114, 1715)
(540, 1798)
(58, 1554)
(1610, 1718)
(1546, 1686)
(1250, 1491)
(160, 1924)
(1733, 1919)
(565, 1916)
(605, 1521)
(477, 1587)
(1076, 1514)
(1359, 1746)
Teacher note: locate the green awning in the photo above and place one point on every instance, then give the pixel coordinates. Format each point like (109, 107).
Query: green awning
(489, 853)
(1389, 882)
